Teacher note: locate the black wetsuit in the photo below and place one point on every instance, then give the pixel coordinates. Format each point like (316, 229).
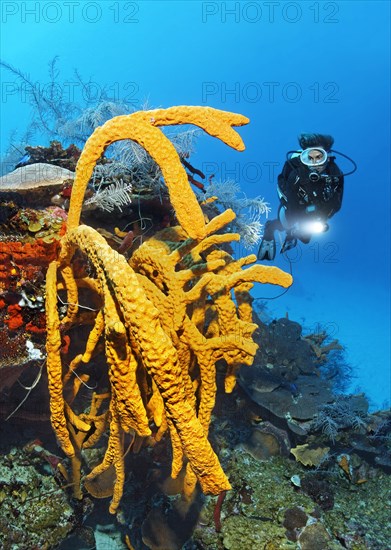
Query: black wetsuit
(302, 198)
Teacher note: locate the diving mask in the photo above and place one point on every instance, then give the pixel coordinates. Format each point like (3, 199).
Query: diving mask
(313, 156)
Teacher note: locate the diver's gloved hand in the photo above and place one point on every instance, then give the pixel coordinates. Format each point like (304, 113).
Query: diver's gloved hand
(267, 250)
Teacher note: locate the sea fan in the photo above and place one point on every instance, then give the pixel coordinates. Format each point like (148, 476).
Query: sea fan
(248, 211)
(77, 130)
(324, 423)
(344, 413)
(184, 141)
(115, 195)
(128, 158)
(249, 227)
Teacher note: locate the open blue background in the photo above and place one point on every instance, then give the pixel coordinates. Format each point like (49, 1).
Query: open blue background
(290, 67)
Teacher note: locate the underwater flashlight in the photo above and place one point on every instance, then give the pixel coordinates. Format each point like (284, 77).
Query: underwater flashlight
(316, 226)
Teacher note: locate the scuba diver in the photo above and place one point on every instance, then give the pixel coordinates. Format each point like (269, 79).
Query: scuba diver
(310, 189)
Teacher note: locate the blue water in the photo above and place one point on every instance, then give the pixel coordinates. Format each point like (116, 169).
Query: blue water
(290, 67)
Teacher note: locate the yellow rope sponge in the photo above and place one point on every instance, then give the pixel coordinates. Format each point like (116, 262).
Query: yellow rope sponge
(177, 292)
(163, 319)
(142, 127)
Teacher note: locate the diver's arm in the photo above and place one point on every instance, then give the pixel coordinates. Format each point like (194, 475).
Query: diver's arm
(339, 195)
(335, 202)
(286, 183)
(282, 183)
